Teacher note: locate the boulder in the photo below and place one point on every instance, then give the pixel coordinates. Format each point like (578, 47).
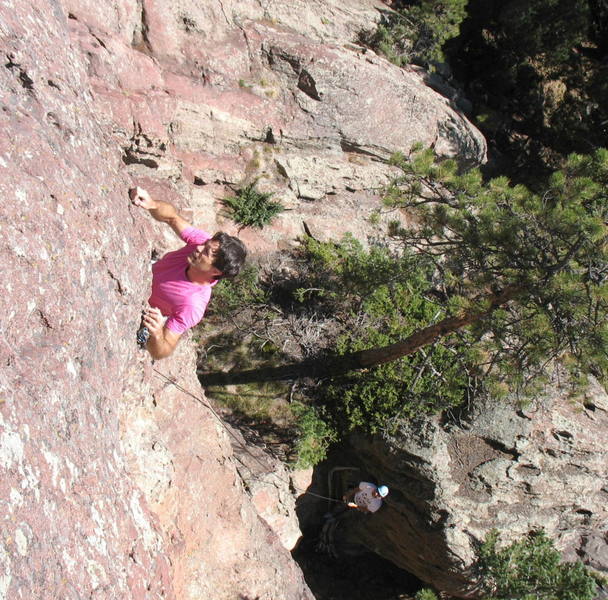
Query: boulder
(452, 481)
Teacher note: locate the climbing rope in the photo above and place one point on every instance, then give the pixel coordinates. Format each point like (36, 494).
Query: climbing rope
(324, 497)
(214, 413)
(231, 433)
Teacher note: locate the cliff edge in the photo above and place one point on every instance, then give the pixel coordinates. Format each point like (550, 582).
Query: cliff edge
(117, 480)
(116, 483)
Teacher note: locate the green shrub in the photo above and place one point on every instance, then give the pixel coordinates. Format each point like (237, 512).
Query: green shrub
(252, 208)
(418, 32)
(425, 594)
(314, 435)
(233, 295)
(531, 569)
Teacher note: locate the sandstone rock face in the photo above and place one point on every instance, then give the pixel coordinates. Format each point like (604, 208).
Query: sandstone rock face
(270, 486)
(117, 480)
(179, 454)
(209, 96)
(73, 522)
(543, 466)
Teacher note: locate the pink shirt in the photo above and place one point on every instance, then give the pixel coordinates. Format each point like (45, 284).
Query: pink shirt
(182, 301)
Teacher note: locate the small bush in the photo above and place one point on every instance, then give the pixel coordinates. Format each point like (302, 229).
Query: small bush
(233, 295)
(531, 569)
(251, 208)
(418, 32)
(314, 435)
(425, 594)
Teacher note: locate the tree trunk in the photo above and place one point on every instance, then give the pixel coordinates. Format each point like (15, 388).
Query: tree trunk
(336, 365)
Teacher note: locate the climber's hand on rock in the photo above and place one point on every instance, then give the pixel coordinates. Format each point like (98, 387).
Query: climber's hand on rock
(141, 198)
(153, 320)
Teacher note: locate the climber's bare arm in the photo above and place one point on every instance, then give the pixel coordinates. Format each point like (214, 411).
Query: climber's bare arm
(162, 341)
(161, 211)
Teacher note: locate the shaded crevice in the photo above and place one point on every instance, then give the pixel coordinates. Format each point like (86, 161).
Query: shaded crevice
(270, 139)
(98, 39)
(500, 447)
(132, 158)
(44, 320)
(144, 150)
(26, 81)
(224, 13)
(530, 469)
(353, 148)
(562, 436)
(141, 39)
(333, 555)
(115, 279)
(189, 25)
(307, 84)
(274, 56)
(305, 81)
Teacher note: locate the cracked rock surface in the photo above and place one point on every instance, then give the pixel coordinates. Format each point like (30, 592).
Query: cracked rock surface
(544, 466)
(116, 482)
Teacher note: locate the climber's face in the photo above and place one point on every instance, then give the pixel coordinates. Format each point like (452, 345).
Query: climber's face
(203, 256)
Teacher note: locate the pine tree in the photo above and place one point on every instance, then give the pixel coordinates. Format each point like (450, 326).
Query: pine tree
(531, 569)
(526, 272)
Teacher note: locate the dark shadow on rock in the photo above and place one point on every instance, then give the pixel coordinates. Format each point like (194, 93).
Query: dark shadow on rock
(335, 565)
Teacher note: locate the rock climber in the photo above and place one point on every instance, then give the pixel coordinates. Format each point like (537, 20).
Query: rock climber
(366, 498)
(182, 280)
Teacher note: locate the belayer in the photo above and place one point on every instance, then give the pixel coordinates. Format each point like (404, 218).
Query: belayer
(182, 280)
(367, 497)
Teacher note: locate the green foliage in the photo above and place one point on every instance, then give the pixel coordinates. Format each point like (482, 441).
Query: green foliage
(523, 277)
(418, 32)
(513, 279)
(536, 65)
(531, 569)
(252, 208)
(545, 30)
(233, 295)
(381, 297)
(426, 382)
(425, 594)
(314, 435)
(548, 251)
(346, 273)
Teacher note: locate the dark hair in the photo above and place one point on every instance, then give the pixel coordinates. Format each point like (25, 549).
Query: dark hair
(230, 256)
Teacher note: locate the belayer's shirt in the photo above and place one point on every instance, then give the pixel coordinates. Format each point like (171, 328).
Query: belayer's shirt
(364, 497)
(182, 301)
